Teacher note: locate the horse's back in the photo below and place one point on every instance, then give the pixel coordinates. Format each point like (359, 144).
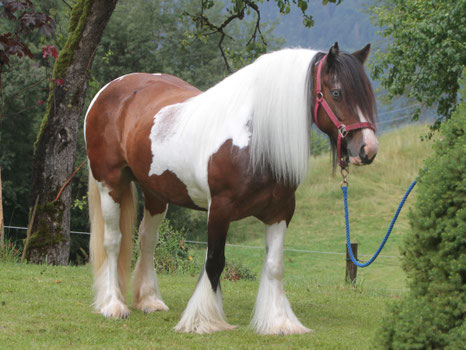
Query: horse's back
(119, 120)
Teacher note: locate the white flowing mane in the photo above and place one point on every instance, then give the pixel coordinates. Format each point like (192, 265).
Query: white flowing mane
(267, 102)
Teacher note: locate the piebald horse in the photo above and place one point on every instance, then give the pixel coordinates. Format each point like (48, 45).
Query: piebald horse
(239, 149)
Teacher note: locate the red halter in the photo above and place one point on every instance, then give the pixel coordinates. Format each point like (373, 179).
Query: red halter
(342, 129)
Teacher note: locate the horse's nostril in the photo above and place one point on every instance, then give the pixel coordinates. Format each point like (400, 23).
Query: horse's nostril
(362, 151)
(364, 157)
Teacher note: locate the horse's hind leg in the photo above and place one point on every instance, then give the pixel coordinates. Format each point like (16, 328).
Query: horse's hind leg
(146, 293)
(112, 212)
(204, 312)
(273, 313)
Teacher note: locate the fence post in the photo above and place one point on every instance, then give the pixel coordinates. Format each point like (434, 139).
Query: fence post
(351, 269)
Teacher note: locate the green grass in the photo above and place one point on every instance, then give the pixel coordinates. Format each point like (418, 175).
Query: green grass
(50, 307)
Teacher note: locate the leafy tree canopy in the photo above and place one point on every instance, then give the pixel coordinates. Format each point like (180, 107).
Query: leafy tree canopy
(209, 23)
(424, 56)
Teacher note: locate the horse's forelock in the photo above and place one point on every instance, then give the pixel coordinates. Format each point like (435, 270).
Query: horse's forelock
(356, 87)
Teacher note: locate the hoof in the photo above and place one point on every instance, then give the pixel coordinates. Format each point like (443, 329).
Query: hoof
(115, 309)
(150, 304)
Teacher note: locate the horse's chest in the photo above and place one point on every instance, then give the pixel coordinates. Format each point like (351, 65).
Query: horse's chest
(185, 146)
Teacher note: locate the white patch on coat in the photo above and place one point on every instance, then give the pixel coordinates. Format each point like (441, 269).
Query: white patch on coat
(272, 312)
(369, 138)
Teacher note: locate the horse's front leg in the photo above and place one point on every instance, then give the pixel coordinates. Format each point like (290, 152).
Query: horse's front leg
(204, 312)
(273, 313)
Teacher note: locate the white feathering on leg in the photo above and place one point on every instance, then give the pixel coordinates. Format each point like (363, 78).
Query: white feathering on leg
(204, 312)
(147, 296)
(272, 312)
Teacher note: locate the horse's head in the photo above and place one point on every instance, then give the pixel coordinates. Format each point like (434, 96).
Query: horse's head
(343, 104)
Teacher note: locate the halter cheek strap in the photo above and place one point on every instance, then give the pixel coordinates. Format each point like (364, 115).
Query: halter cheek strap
(342, 129)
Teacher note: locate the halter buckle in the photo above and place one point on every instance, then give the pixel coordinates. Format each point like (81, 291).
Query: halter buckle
(342, 131)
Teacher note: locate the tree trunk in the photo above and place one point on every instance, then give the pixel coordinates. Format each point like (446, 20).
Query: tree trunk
(55, 148)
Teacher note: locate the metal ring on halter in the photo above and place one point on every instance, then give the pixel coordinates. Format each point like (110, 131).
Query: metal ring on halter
(342, 131)
(344, 173)
(320, 95)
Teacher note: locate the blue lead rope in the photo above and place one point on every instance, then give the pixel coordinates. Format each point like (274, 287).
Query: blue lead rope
(348, 240)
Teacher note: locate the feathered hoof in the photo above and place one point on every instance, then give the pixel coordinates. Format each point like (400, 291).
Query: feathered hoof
(203, 327)
(150, 304)
(115, 309)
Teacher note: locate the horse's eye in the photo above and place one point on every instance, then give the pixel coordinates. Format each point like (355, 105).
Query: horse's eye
(336, 94)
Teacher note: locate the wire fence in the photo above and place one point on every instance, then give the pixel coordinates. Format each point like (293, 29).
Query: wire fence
(304, 251)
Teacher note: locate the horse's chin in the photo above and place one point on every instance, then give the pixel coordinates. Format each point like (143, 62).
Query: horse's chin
(356, 161)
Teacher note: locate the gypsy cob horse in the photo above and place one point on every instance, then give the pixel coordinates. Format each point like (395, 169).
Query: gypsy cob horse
(239, 149)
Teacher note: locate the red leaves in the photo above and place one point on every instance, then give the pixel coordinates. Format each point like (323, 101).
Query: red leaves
(49, 51)
(59, 82)
(40, 102)
(26, 21)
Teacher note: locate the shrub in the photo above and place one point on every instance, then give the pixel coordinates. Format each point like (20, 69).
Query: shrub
(171, 254)
(434, 253)
(9, 252)
(235, 271)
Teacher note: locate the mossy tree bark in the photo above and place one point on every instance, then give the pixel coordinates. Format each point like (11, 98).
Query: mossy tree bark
(55, 148)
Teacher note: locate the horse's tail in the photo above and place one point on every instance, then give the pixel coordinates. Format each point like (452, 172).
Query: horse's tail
(128, 206)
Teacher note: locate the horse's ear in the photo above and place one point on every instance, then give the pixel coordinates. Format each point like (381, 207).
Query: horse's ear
(332, 53)
(362, 54)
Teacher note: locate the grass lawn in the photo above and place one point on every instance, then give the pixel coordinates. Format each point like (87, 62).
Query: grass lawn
(50, 307)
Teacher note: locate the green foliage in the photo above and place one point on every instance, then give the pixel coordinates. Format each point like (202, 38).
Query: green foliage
(319, 143)
(171, 254)
(25, 87)
(9, 252)
(193, 224)
(235, 271)
(24, 84)
(424, 56)
(432, 316)
(160, 37)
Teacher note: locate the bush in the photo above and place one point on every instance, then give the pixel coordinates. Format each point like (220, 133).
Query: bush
(235, 271)
(9, 252)
(192, 223)
(171, 254)
(434, 253)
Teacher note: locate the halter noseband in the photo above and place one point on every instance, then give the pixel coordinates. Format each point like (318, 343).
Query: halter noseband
(342, 129)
